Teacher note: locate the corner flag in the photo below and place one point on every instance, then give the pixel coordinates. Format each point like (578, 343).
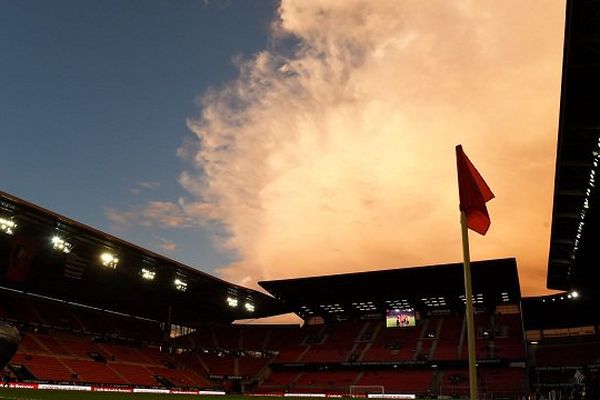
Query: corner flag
(473, 193)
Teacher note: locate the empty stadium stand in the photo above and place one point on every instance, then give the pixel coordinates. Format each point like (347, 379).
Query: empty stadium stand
(78, 345)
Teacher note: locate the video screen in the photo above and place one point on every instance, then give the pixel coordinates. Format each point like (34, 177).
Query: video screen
(400, 318)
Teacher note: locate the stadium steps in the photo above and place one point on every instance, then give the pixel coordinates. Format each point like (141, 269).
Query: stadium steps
(191, 340)
(434, 344)
(358, 377)
(39, 316)
(195, 378)
(162, 357)
(364, 351)
(117, 373)
(357, 348)
(378, 327)
(40, 343)
(134, 374)
(358, 340)
(45, 367)
(376, 331)
(92, 371)
(29, 345)
(492, 343)
(64, 364)
(264, 372)
(77, 320)
(295, 379)
(424, 328)
(362, 332)
(265, 344)
(419, 347)
(436, 381)
(320, 333)
(306, 350)
(106, 352)
(201, 361)
(215, 340)
(53, 345)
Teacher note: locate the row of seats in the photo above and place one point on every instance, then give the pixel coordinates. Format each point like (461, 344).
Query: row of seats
(62, 356)
(68, 354)
(440, 338)
(65, 346)
(38, 312)
(240, 337)
(500, 381)
(569, 354)
(451, 382)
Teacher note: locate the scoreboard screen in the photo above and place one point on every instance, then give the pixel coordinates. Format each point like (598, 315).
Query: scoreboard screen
(400, 318)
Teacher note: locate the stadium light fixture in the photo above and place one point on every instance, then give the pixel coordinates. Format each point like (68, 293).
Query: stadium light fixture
(109, 260)
(180, 284)
(586, 201)
(148, 274)
(61, 245)
(231, 302)
(574, 294)
(249, 307)
(7, 226)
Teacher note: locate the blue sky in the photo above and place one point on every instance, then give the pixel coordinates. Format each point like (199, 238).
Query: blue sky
(94, 98)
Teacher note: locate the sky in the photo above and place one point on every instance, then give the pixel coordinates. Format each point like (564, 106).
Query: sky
(274, 139)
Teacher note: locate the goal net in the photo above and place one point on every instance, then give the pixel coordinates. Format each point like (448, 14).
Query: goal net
(364, 390)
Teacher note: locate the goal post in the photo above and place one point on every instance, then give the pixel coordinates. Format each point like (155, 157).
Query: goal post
(364, 390)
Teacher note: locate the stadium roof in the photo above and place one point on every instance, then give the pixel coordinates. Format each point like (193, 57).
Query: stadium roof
(561, 310)
(574, 250)
(438, 287)
(30, 263)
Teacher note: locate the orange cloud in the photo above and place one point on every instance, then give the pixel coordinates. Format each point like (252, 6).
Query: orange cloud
(162, 214)
(168, 245)
(338, 155)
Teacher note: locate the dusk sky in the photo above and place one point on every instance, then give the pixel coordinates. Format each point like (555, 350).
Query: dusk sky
(263, 139)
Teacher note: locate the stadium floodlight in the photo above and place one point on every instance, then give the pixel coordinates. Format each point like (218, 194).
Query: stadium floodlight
(231, 302)
(249, 307)
(7, 226)
(109, 260)
(147, 274)
(180, 284)
(61, 245)
(574, 294)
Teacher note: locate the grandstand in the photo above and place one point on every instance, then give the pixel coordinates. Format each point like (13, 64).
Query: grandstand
(563, 329)
(77, 332)
(97, 312)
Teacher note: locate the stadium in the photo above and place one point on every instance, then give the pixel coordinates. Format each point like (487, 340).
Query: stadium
(98, 317)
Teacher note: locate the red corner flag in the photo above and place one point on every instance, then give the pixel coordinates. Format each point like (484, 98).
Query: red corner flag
(473, 192)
